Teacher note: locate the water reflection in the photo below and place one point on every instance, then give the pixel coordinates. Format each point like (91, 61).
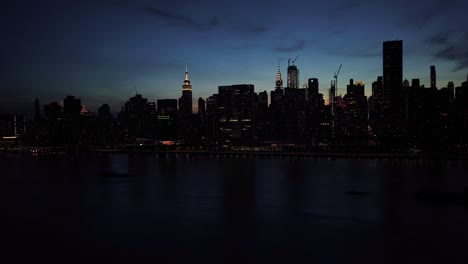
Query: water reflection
(206, 205)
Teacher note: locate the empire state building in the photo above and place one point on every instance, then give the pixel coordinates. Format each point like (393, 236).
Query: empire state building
(185, 102)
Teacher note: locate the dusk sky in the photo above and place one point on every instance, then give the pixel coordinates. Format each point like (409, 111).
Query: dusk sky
(101, 51)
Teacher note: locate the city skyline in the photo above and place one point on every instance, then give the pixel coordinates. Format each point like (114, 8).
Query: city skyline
(146, 45)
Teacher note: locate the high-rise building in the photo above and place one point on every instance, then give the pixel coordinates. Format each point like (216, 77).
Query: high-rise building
(71, 106)
(293, 76)
(377, 88)
(37, 110)
(393, 93)
(166, 106)
(212, 120)
(262, 105)
(185, 102)
(392, 70)
(353, 121)
(433, 77)
(415, 84)
(104, 112)
(279, 80)
(313, 87)
(451, 88)
(201, 106)
(136, 118)
(52, 111)
(166, 120)
(12, 125)
(236, 113)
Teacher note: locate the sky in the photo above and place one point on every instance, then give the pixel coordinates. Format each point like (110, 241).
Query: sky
(103, 51)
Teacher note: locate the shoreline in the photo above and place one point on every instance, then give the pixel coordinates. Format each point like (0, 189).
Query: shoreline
(246, 153)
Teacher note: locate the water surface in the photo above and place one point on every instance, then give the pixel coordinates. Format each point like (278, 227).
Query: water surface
(231, 209)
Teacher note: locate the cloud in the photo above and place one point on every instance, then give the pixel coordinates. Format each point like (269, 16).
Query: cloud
(457, 54)
(437, 39)
(450, 48)
(422, 15)
(256, 29)
(297, 46)
(182, 20)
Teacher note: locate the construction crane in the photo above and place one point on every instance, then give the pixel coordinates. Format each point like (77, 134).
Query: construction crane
(295, 59)
(289, 60)
(333, 92)
(336, 78)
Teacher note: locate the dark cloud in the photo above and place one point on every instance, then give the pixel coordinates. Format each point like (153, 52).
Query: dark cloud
(451, 49)
(255, 29)
(297, 46)
(181, 20)
(245, 28)
(454, 53)
(420, 16)
(438, 39)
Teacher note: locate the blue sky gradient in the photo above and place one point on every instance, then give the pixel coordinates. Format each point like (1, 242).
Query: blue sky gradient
(102, 51)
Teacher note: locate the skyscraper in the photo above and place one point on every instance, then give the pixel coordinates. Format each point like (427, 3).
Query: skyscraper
(71, 106)
(37, 110)
(451, 88)
(185, 102)
(433, 77)
(393, 94)
(236, 111)
(377, 91)
(293, 76)
(201, 106)
(166, 119)
(279, 80)
(392, 70)
(313, 87)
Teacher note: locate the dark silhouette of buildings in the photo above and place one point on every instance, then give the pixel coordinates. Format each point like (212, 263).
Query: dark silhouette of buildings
(12, 125)
(399, 115)
(235, 113)
(37, 110)
(393, 94)
(392, 70)
(433, 77)
(262, 119)
(355, 125)
(167, 119)
(136, 119)
(71, 106)
(107, 131)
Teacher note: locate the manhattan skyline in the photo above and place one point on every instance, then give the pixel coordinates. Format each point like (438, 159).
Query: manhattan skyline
(105, 50)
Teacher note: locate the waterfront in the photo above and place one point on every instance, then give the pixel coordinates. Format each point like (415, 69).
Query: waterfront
(185, 207)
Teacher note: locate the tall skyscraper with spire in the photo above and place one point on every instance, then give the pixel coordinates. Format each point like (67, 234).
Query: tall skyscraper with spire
(185, 102)
(279, 80)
